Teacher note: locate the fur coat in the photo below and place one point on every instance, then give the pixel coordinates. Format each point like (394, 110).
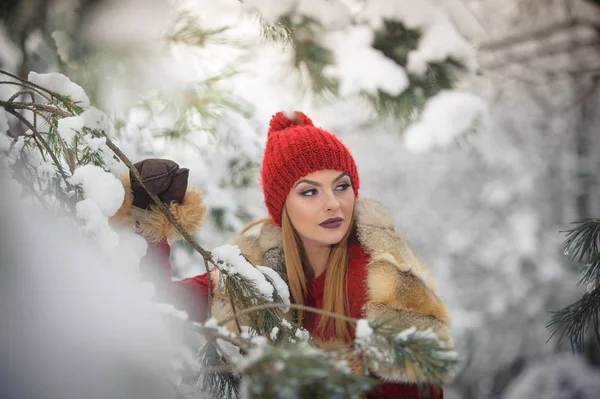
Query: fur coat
(399, 286)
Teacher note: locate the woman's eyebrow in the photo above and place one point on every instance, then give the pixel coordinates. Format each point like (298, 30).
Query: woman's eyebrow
(314, 183)
(341, 176)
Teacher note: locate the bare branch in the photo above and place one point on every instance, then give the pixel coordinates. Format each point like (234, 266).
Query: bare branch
(209, 287)
(537, 34)
(293, 306)
(28, 83)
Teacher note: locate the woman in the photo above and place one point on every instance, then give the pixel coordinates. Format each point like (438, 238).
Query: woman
(336, 252)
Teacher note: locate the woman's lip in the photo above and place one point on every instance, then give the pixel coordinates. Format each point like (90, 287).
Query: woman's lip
(332, 223)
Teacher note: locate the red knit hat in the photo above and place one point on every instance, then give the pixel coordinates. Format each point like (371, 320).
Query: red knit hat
(296, 148)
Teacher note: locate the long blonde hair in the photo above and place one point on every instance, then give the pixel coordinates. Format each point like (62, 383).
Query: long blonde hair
(335, 293)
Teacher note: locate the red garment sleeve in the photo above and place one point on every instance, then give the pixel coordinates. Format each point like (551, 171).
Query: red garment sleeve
(389, 390)
(190, 294)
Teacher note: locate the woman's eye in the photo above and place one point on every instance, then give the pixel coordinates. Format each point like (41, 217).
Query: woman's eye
(342, 187)
(309, 193)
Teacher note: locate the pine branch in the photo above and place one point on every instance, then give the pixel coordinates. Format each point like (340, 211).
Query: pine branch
(420, 355)
(301, 371)
(583, 244)
(574, 320)
(583, 241)
(9, 108)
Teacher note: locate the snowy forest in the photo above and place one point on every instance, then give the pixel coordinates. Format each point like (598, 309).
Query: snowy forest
(475, 122)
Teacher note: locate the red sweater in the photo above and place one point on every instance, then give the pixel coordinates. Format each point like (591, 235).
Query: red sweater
(191, 294)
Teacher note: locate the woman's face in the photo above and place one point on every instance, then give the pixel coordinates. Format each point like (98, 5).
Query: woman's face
(320, 207)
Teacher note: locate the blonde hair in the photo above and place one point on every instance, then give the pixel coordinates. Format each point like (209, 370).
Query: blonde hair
(335, 293)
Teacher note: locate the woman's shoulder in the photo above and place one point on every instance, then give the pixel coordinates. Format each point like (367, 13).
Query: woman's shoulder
(257, 239)
(376, 231)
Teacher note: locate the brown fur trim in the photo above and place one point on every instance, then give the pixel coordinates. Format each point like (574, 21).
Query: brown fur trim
(381, 242)
(371, 213)
(189, 214)
(402, 290)
(155, 226)
(123, 218)
(270, 237)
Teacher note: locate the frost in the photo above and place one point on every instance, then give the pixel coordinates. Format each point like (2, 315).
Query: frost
(447, 116)
(100, 186)
(363, 329)
(282, 288)
(69, 126)
(238, 265)
(62, 85)
(354, 56)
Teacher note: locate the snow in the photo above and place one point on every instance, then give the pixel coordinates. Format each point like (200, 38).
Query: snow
(447, 116)
(5, 141)
(439, 41)
(91, 313)
(302, 334)
(238, 265)
(45, 169)
(280, 285)
(363, 330)
(95, 143)
(69, 126)
(354, 57)
(169, 310)
(332, 14)
(270, 10)
(62, 85)
(63, 44)
(101, 187)
(211, 323)
(286, 324)
(95, 119)
(3, 122)
(274, 333)
(12, 188)
(96, 223)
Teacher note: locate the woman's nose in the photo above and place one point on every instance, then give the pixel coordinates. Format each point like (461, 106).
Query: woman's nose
(331, 202)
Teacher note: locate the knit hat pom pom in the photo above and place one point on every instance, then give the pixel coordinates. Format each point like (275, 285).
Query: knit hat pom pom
(283, 120)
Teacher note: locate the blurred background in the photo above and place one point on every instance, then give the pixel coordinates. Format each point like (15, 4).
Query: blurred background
(197, 82)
